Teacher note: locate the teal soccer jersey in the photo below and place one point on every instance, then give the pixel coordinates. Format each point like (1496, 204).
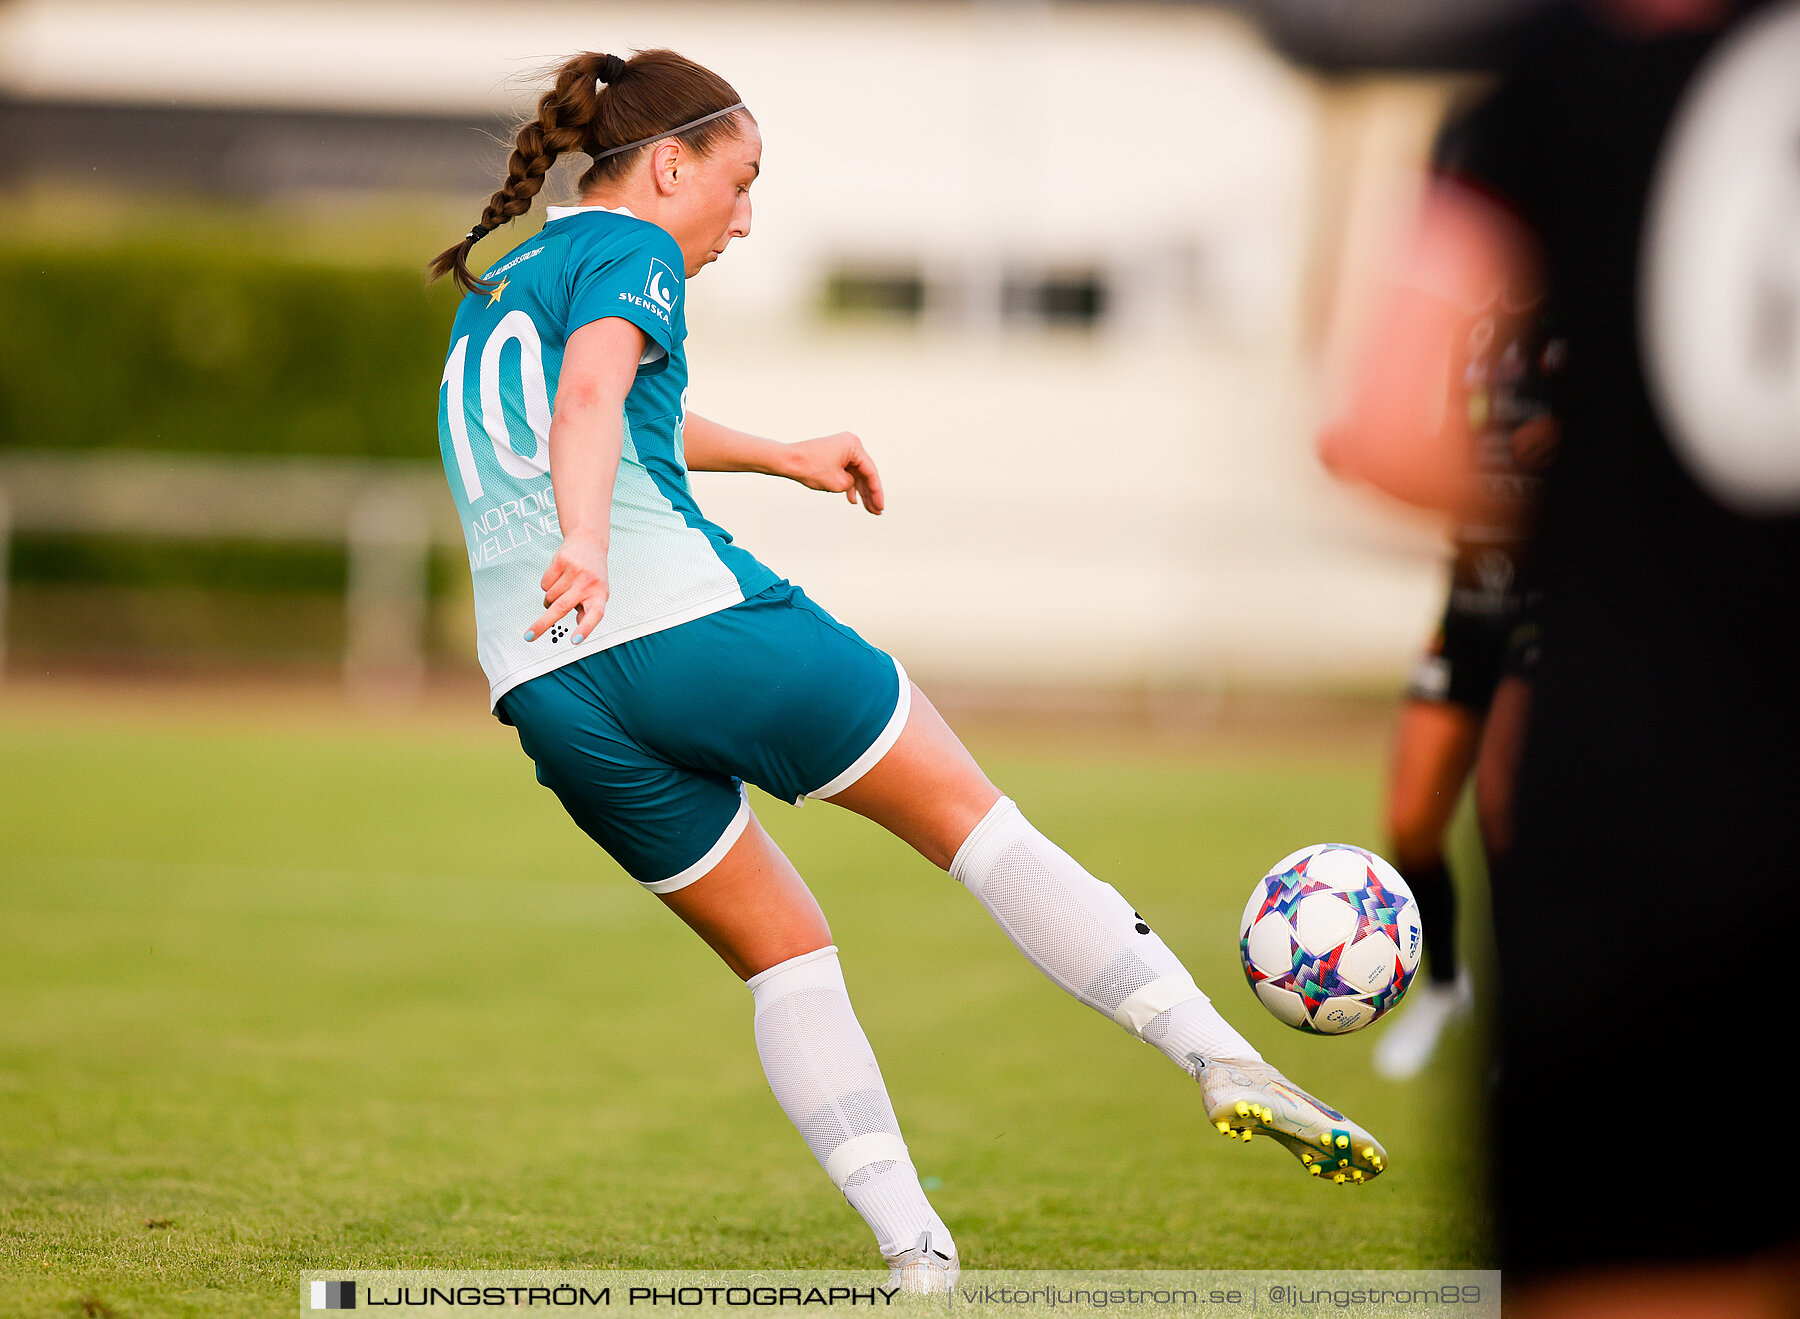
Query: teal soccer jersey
(666, 564)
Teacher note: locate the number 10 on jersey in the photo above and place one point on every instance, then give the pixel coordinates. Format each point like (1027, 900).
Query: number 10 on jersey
(532, 397)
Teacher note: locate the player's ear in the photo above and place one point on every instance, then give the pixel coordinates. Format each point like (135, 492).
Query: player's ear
(668, 163)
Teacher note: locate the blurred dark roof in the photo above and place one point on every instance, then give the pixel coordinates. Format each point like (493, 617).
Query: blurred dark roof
(223, 150)
(271, 151)
(1346, 36)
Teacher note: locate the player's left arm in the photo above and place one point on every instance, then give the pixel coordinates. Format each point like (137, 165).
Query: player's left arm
(839, 463)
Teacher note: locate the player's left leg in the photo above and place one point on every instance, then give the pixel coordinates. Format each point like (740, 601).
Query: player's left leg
(688, 835)
(1076, 929)
(756, 912)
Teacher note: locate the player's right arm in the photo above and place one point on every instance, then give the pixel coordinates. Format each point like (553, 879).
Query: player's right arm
(587, 435)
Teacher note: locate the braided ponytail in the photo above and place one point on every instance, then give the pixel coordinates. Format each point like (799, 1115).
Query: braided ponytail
(563, 115)
(645, 96)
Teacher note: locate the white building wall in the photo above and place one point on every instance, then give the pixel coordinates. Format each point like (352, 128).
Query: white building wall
(1135, 502)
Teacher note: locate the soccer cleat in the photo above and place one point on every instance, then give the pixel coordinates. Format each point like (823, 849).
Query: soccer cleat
(1244, 1097)
(922, 1269)
(1408, 1044)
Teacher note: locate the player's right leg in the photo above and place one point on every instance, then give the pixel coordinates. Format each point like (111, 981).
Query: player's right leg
(777, 691)
(1503, 739)
(1090, 942)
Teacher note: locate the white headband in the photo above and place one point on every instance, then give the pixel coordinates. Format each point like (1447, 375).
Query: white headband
(673, 132)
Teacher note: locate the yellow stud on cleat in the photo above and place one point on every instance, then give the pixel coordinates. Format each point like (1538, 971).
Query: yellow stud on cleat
(1356, 1175)
(1244, 1099)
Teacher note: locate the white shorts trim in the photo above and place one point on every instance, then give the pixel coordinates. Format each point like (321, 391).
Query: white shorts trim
(882, 744)
(714, 854)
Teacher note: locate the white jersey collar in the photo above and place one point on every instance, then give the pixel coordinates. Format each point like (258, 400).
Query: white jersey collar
(557, 212)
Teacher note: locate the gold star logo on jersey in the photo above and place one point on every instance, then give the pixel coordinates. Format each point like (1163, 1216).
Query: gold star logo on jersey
(498, 290)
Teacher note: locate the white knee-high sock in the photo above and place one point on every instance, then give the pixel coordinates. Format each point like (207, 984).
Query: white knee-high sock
(827, 1081)
(1087, 939)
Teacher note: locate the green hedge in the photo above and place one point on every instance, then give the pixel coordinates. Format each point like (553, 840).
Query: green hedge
(162, 347)
(131, 561)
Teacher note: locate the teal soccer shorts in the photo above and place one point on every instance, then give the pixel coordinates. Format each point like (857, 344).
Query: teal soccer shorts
(648, 743)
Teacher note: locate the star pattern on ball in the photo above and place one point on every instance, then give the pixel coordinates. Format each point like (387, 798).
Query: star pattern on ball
(1382, 998)
(1318, 980)
(1378, 909)
(1288, 890)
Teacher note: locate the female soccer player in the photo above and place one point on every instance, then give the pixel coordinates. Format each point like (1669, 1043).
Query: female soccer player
(651, 666)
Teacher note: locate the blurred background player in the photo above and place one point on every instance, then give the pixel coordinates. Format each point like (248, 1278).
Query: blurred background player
(651, 666)
(1508, 367)
(1655, 773)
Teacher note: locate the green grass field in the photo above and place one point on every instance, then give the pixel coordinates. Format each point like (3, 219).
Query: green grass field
(286, 989)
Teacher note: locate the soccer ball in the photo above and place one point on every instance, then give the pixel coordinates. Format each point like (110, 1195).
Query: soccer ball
(1330, 938)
